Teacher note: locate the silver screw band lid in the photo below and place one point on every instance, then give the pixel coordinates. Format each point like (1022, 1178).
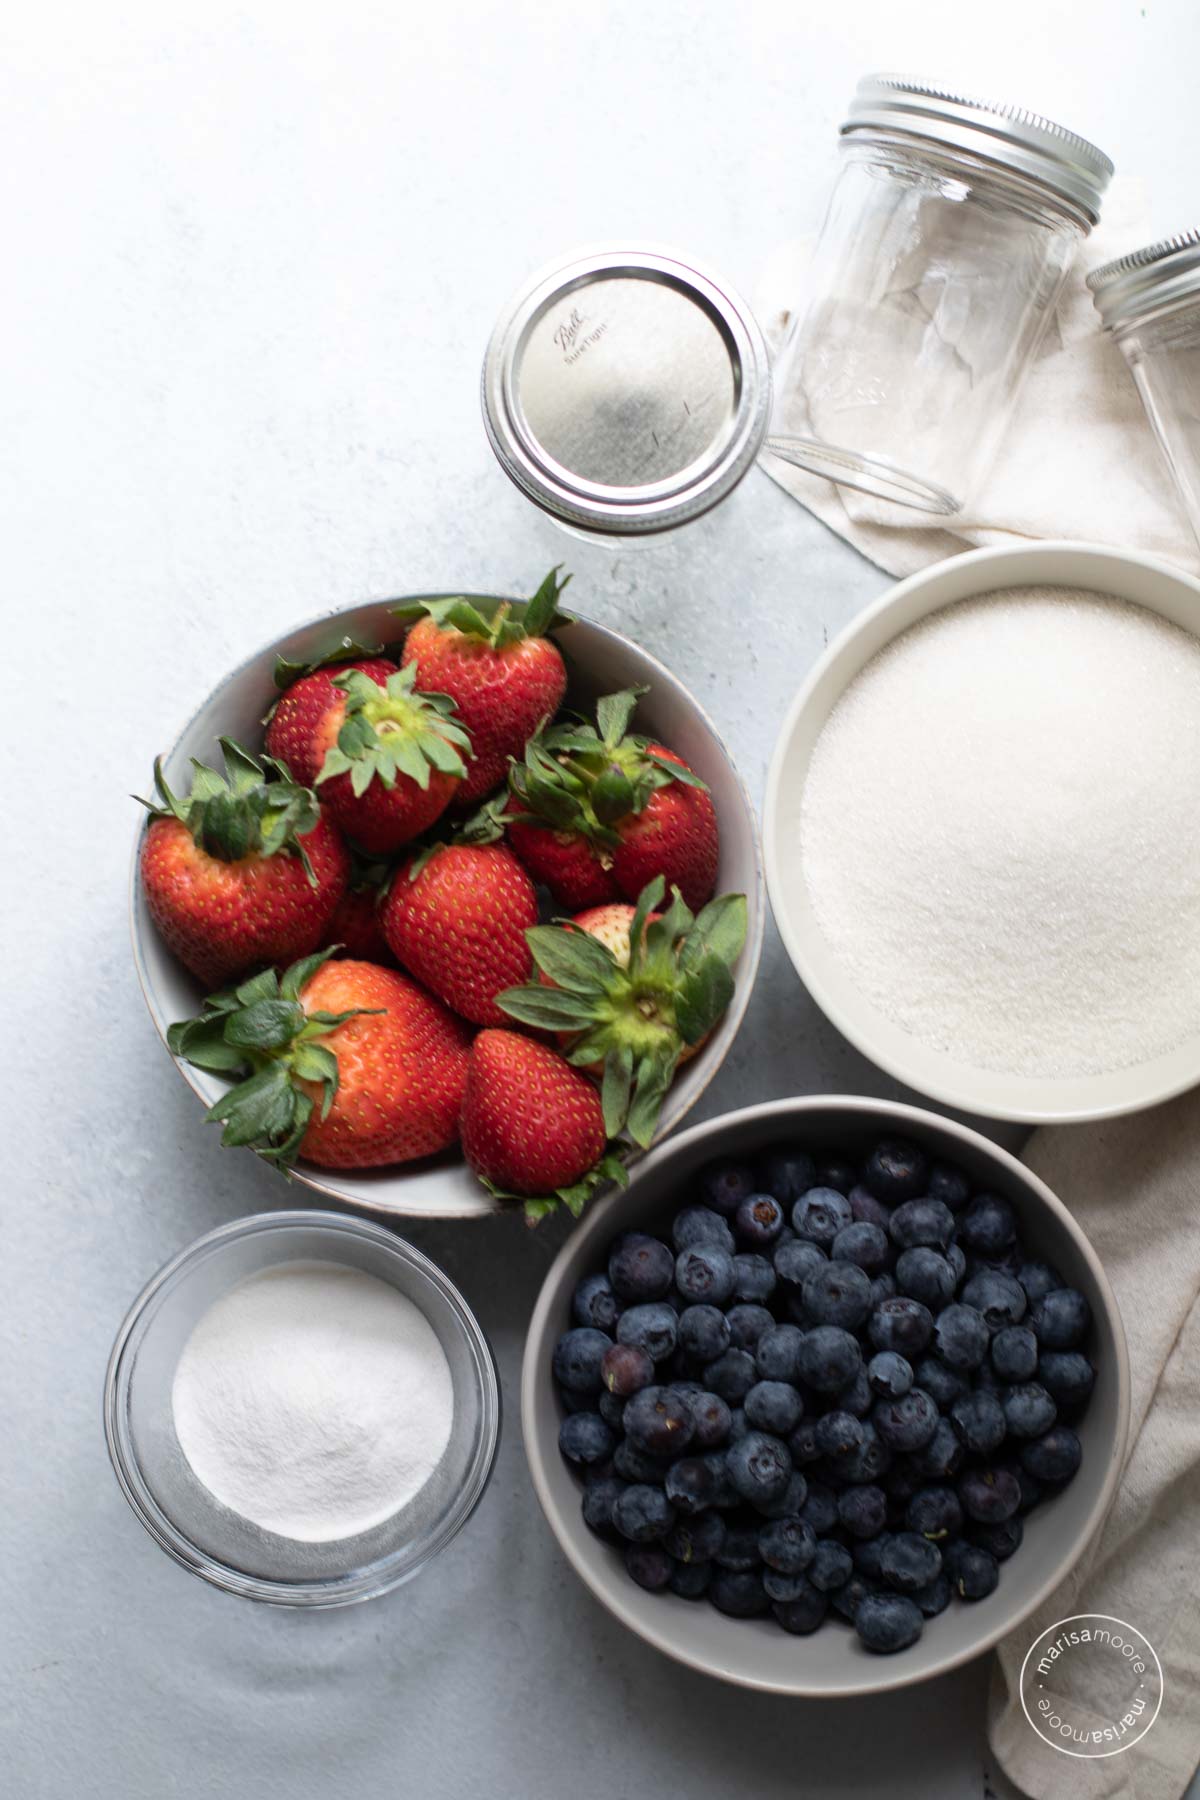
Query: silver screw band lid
(1062, 162)
(626, 390)
(1159, 276)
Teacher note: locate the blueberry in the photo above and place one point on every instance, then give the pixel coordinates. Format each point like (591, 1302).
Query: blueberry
(758, 1221)
(999, 1540)
(847, 1599)
(1054, 1457)
(649, 1565)
(652, 1327)
(820, 1214)
(795, 1261)
(856, 1397)
(883, 1287)
(989, 1495)
(1028, 1410)
(787, 1505)
(577, 1358)
(947, 1182)
(787, 1173)
(956, 1256)
(659, 1422)
(727, 1494)
(1038, 1279)
(973, 1572)
(868, 1552)
(724, 1185)
(803, 1612)
(942, 1382)
(640, 1267)
(739, 1424)
(802, 1443)
(863, 1244)
(1031, 1491)
(921, 1223)
(1015, 1353)
(690, 1580)
(711, 1420)
(753, 1278)
(888, 1622)
(776, 1351)
(700, 1225)
(747, 1323)
(739, 1547)
(935, 1513)
(820, 1508)
(704, 1274)
(595, 1304)
(827, 1358)
(942, 1455)
(907, 1423)
(896, 1170)
(1000, 1298)
(837, 1172)
(988, 1225)
(624, 1369)
(696, 1539)
(961, 1336)
(599, 1497)
(691, 1484)
(978, 1418)
(787, 1545)
(831, 1565)
(1061, 1319)
(925, 1275)
(1066, 1375)
(642, 1513)
(903, 1479)
(611, 1408)
(838, 1293)
(909, 1561)
(759, 1466)
(901, 1324)
(632, 1464)
(584, 1438)
(871, 1461)
(731, 1376)
(862, 1511)
(740, 1594)
(774, 1406)
(703, 1332)
(866, 1209)
(890, 1374)
(935, 1598)
(839, 1434)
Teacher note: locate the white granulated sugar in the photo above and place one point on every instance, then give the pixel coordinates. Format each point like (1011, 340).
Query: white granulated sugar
(1000, 833)
(313, 1399)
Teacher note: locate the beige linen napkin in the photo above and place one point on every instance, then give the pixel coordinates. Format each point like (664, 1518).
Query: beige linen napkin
(1079, 459)
(1134, 1186)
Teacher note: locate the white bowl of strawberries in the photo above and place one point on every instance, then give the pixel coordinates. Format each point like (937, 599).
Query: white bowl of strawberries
(469, 916)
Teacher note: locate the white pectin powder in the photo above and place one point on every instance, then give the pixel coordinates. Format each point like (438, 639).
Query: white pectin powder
(1000, 832)
(313, 1399)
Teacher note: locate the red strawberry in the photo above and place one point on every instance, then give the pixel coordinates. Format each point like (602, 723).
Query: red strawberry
(343, 1063)
(457, 919)
(614, 808)
(390, 758)
(293, 720)
(355, 928)
(247, 870)
(532, 1126)
(498, 666)
(633, 993)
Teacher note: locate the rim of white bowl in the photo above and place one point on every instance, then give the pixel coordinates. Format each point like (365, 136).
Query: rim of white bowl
(748, 962)
(913, 1119)
(948, 1090)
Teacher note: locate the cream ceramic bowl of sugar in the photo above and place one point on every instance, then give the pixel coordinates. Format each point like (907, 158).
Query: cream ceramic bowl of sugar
(979, 832)
(301, 1408)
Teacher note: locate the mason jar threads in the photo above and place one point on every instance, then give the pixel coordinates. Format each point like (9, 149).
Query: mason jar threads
(626, 391)
(1150, 301)
(949, 235)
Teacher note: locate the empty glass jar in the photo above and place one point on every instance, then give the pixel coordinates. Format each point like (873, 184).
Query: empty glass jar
(948, 238)
(1150, 301)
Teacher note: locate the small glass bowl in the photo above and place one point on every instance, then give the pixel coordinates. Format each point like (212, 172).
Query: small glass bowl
(179, 1512)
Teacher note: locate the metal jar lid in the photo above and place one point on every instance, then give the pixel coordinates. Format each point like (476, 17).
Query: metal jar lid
(626, 391)
(1066, 165)
(1150, 280)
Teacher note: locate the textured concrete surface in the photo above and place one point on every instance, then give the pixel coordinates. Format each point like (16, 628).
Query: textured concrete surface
(253, 257)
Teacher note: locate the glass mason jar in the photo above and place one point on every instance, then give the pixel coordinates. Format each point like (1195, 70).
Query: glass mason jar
(626, 392)
(948, 238)
(1150, 301)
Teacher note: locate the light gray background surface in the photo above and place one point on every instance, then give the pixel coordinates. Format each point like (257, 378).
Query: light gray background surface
(253, 256)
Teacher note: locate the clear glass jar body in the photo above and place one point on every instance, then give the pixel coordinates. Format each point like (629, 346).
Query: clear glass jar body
(934, 278)
(1163, 352)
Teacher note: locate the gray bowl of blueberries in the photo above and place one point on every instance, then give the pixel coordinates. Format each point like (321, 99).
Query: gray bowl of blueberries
(829, 1400)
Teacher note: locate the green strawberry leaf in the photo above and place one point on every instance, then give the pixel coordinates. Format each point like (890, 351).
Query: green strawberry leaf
(654, 1077)
(703, 997)
(572, 958)
(260, 1109)
(614, 712)
(267, 1025)
(498, 622)
(719, 930)
(675, 771)
(201, 1041)
(303, 971)
(616, 1087)
(347, 649)
(541, 614)
(546, 1008)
